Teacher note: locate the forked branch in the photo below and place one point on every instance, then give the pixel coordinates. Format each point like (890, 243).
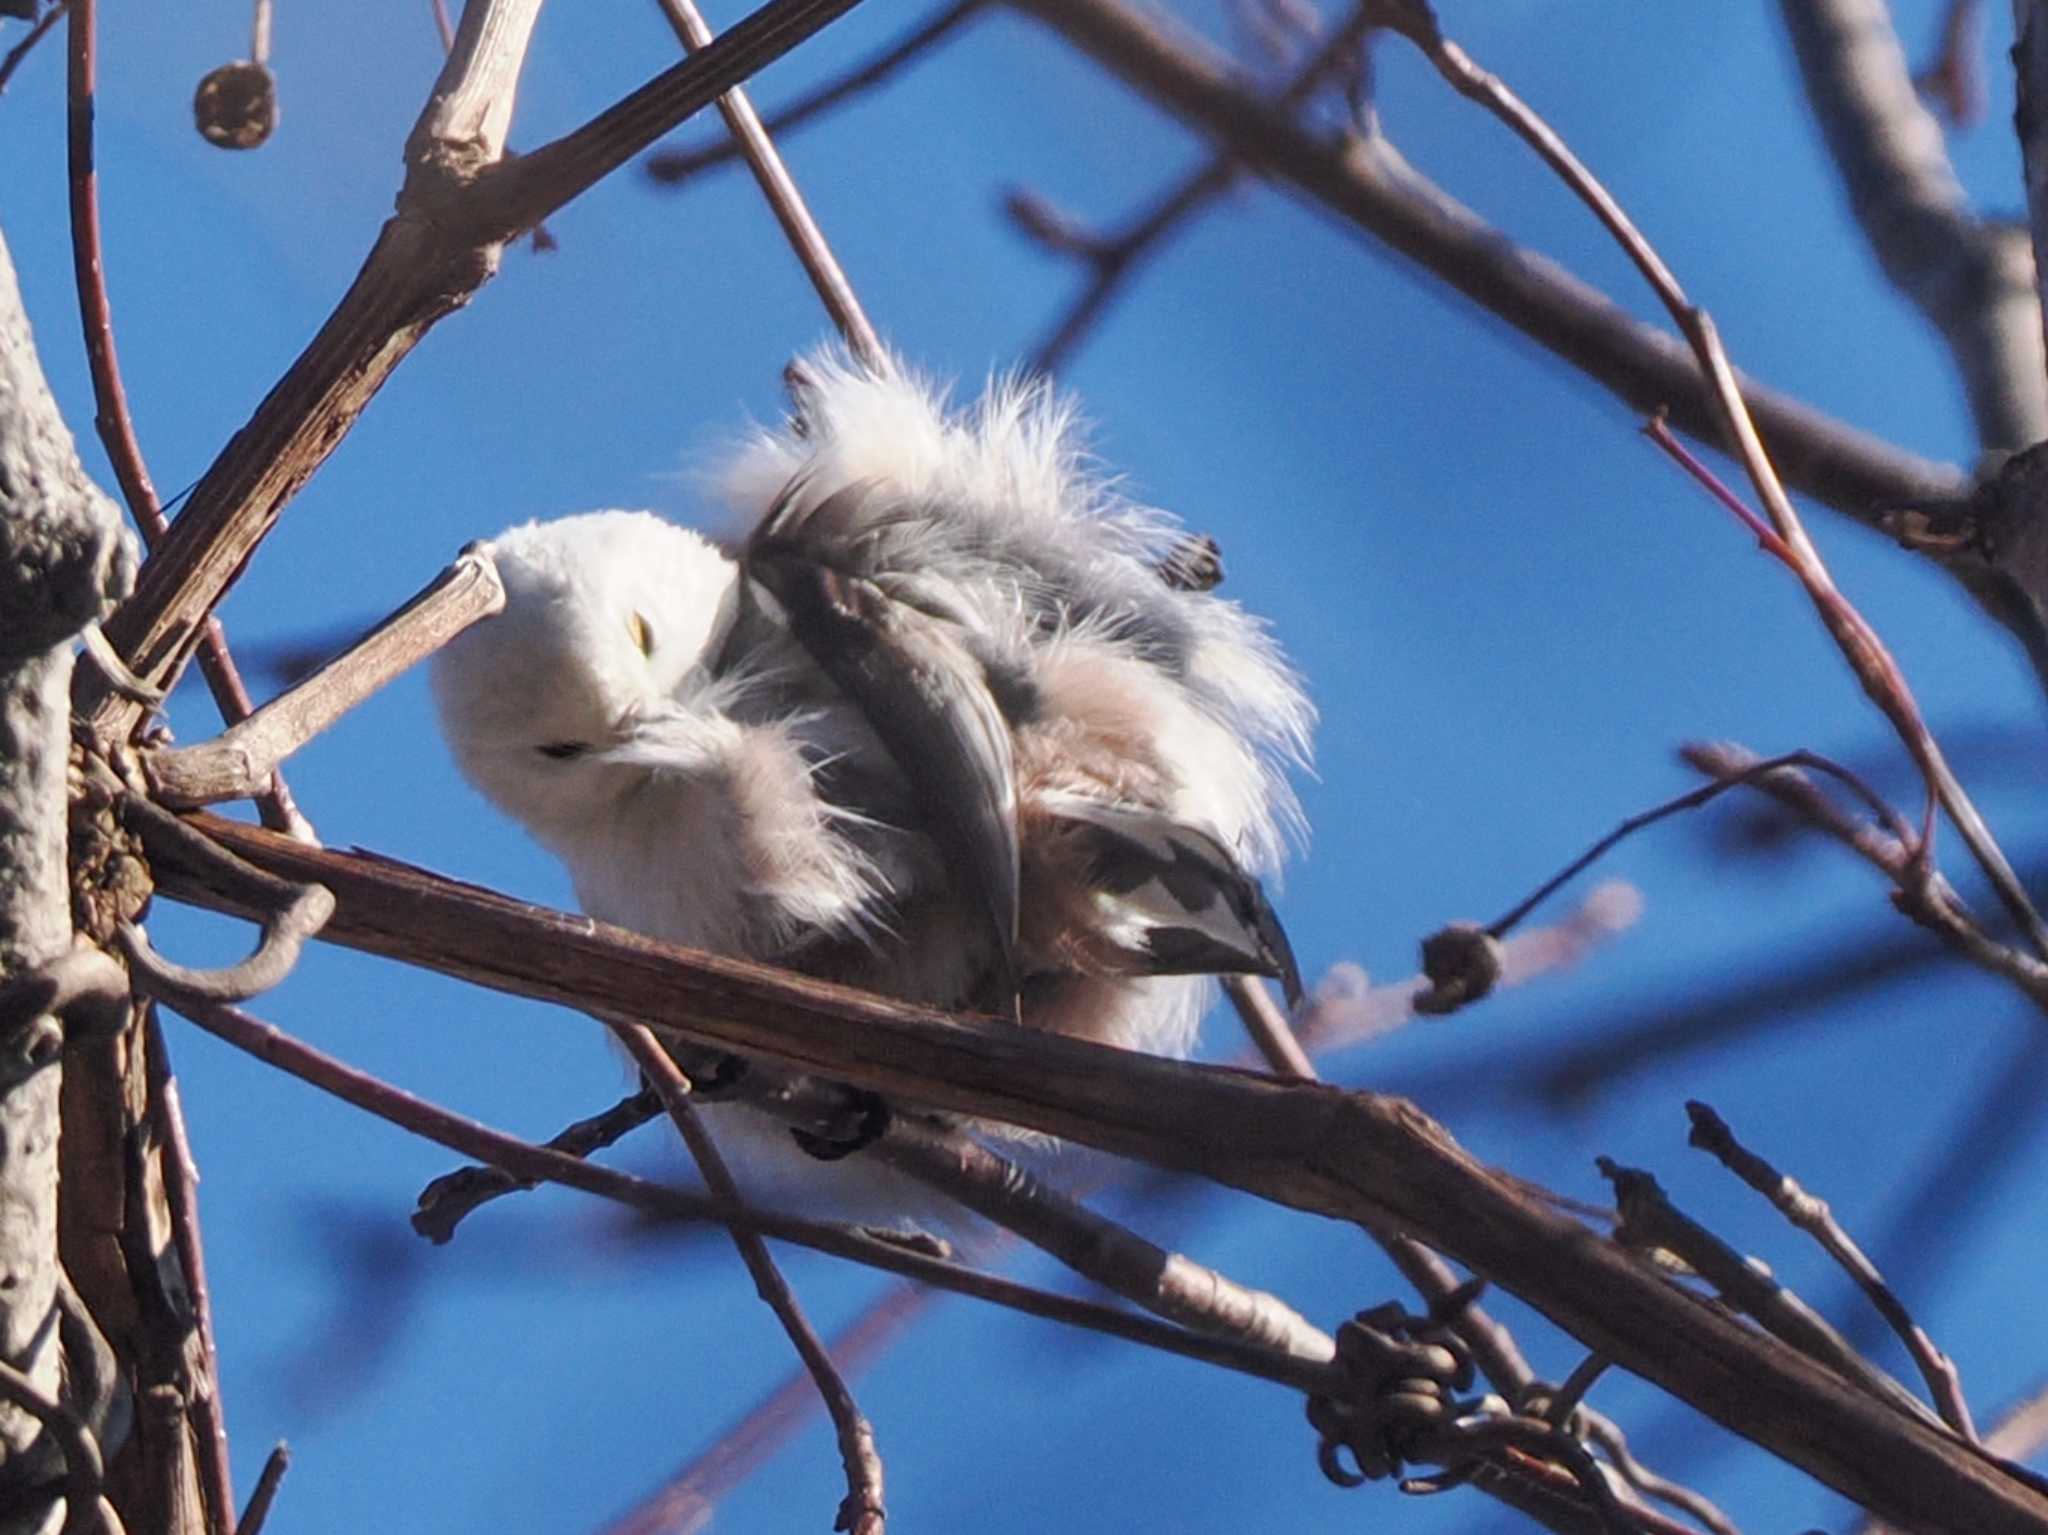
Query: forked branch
(1352, 1156)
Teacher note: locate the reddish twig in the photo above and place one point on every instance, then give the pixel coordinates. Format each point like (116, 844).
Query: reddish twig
(111, 417)
(268, 1479)
(672, 167)
(1872, 664)
(861, 1513)
(34, 35)
(181, 1194)
(446, 1202)
(1111, 260)
(1923, 895)
(779, 188)
(1711, 1134)
(1692, 800)
(685, 1503)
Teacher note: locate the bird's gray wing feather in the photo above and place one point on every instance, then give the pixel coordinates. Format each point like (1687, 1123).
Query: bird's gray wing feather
(917, 673)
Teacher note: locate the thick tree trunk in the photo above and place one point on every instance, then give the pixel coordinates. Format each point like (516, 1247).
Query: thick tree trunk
(64, 560)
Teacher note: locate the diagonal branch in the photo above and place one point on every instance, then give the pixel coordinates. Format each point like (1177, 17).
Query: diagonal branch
(1359, 1157)
(799, 228)
(244, 757)
(460, 202)
(673, 167)
(861, 1513)
(1880, 677)
(1367, 184)
(541, 1164)
(112, 420)
(1972, 278)
(1810, 1214)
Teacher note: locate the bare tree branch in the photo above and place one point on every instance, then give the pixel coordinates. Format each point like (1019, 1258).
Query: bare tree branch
(460, 202)
(673, 167)
(243, 758)
(1366, 183)
(112, 419)
(861, 1513)
(1711, 1133)
(540, 1164)
(257, 1513)
(1352, 1156)
(1861, 648)
(1973, 278)
(29, 39)
(1923, 895)
(780, 190)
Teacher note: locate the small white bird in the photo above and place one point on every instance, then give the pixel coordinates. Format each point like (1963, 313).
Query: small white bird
(943, 725)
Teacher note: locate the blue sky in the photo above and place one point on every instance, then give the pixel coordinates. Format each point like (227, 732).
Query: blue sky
(1509, 608)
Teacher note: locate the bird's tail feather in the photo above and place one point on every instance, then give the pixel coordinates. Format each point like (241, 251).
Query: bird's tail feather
(1183, 903)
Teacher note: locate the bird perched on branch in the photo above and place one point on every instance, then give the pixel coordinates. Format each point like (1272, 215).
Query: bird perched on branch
(952, 721)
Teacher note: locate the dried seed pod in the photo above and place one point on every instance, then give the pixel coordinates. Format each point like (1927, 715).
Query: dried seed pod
(236, 105)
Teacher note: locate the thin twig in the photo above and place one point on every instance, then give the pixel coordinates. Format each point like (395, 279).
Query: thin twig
(1169, 1284)
(522, 1159)
(181, 1194)
(1811, 1215)
(779, 188)
(1868, 659)
(30, 38)
(452, 1197)
(1923, 895)
(1872, 664)
(1691, 800)
(1367, 185)
(862, 1511)
(1604, 1432)
(268, 1480)
(672, 167)
(85, 1507)
(1494, 1348)
(686, 1502)
(111, 416)
(1651, 1223)
(462, 199)
(1268, 1027)
(1111, 260)
(244, 757)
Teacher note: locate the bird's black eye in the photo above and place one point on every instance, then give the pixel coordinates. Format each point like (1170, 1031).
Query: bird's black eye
(642, 633)
(562, 751)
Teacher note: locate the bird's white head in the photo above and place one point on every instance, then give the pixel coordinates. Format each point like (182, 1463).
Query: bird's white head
(606, 614)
